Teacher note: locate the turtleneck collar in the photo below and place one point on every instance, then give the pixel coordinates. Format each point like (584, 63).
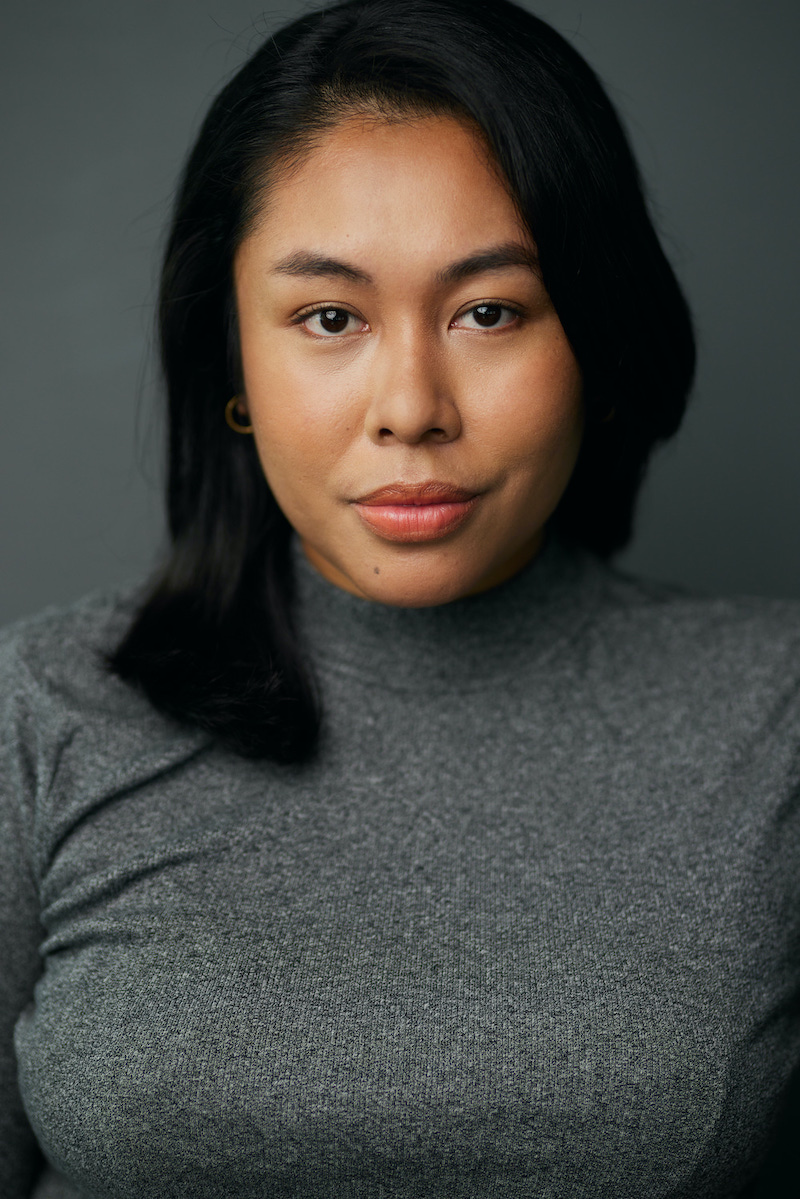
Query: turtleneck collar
(466, 643)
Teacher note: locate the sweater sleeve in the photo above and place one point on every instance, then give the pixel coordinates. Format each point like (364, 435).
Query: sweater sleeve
(20, 932)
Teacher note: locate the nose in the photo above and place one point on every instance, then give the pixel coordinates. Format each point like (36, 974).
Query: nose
(411, 398)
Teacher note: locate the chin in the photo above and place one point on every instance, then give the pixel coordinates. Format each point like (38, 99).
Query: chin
(416, 587)
(411, 576)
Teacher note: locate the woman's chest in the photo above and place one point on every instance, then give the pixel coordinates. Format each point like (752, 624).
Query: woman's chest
(482, 975)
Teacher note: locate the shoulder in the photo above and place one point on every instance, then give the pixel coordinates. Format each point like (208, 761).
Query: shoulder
(739, 628)
(60, 651)
(60, 704)
(736, 655)
(73, 734)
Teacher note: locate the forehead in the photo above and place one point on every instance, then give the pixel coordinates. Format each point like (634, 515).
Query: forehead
(422, 189)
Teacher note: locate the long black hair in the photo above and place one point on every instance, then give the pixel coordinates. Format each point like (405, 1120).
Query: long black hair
(213, 643)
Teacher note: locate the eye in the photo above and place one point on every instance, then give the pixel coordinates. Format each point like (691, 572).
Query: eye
(487, 316)
(327, 321)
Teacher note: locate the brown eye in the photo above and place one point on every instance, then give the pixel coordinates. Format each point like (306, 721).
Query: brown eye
(328, 321)
(487, 316)
(333, 320)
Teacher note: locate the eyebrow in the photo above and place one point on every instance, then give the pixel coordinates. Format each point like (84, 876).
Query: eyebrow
(308, 265)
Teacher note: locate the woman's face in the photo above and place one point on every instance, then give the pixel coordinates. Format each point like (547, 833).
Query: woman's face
(415, 403)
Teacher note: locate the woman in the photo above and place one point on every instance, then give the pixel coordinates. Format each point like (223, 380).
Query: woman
(388, 842)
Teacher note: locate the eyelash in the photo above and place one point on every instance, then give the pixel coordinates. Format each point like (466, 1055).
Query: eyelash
(302, 317)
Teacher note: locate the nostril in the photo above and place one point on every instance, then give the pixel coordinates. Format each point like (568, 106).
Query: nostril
(433, 434)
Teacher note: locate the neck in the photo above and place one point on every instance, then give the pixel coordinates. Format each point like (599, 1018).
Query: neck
(461, 643)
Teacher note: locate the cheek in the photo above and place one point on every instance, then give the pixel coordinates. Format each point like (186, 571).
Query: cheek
(534, 411)
(302, 423)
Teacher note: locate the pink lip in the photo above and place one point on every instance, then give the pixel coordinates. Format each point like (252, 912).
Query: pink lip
(415, 512)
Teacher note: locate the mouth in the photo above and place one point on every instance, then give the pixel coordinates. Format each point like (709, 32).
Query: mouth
(416, 512)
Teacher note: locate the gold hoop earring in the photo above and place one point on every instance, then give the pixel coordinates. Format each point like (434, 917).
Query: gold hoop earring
(229, 417)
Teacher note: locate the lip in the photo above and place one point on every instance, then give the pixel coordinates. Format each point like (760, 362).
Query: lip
(432, 492)
(416, 512)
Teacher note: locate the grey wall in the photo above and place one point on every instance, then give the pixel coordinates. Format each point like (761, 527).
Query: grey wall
(99, 103)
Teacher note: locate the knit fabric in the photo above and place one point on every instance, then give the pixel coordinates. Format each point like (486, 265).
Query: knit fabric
(527, 927)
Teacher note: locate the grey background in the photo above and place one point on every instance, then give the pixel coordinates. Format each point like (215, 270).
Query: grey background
(100, 99)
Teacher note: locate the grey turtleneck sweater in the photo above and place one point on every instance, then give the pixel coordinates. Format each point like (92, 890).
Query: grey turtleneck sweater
(529, 927)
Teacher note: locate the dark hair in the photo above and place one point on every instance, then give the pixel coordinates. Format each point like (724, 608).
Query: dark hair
(214, 642)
